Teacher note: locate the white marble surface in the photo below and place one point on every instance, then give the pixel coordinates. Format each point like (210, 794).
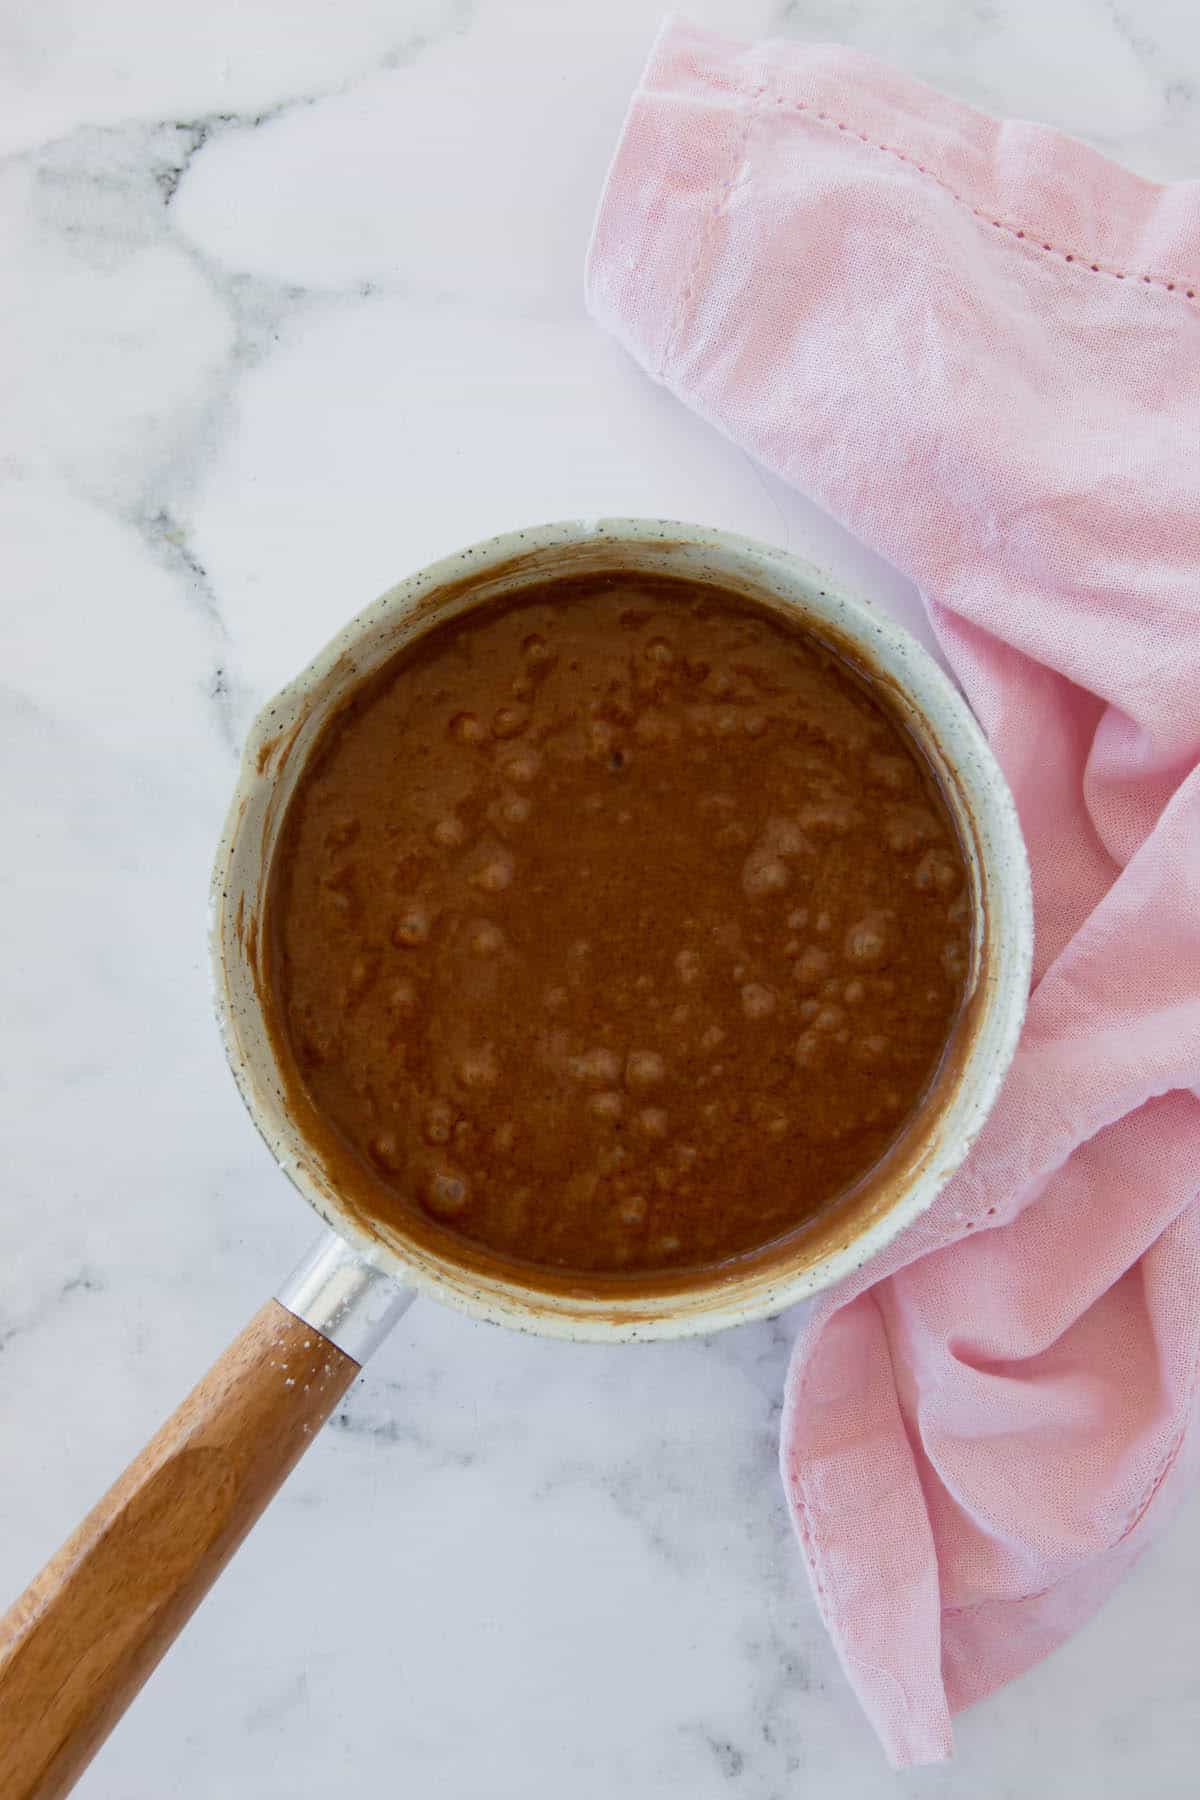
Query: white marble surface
(289, 302)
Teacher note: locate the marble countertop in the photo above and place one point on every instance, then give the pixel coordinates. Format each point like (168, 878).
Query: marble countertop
(291, 303)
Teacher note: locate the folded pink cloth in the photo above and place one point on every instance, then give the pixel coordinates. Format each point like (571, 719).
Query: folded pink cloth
(978, 343)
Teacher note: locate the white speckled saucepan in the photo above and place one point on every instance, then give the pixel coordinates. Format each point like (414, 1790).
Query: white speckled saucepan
(755, 1286)
(79, 1643)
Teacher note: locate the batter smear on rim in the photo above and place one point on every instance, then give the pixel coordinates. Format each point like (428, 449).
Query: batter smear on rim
(617, 927)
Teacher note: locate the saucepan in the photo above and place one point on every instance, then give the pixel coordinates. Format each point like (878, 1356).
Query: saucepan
(79, 1643)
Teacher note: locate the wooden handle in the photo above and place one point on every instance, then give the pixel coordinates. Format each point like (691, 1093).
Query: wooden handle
(79, 1643)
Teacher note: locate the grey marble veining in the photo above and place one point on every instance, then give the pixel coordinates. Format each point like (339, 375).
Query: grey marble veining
(290, 303)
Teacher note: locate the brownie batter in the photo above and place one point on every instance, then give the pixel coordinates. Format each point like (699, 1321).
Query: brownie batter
(618, 927)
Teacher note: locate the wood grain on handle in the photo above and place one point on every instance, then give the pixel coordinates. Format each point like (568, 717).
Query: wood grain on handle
(81, 1640)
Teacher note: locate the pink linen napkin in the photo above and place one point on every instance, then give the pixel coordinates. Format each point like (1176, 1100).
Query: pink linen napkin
(978, 343)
